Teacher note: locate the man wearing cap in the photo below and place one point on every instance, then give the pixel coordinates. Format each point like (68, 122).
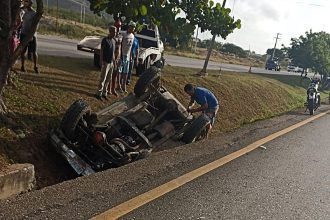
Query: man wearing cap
(128, 39)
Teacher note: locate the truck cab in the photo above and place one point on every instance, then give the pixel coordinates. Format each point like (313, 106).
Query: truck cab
(272, 64)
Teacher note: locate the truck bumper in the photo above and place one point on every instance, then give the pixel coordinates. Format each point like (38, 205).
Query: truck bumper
(75, 161)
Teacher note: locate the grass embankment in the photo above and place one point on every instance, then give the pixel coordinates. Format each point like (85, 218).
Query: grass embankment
(69, 24)
(39, 102)
(68, 28)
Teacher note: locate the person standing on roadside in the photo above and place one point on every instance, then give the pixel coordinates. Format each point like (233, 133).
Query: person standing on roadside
(209, 104)
(27, 19)
(107, 59)
(134, 58)
(126, 49)
(115, 74)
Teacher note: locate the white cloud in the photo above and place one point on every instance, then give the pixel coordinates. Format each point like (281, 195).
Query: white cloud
(262, 19)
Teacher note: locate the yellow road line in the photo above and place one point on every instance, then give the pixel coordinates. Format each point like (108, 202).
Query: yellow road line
(138, 201)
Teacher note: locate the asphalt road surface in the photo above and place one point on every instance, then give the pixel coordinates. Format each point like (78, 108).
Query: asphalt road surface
(57, 46)
(287, 178)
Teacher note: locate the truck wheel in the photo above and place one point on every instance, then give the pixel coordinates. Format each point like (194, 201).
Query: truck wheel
(195, 129)
(97, 60)
(139, 69)
(76, 112)
(149, 77)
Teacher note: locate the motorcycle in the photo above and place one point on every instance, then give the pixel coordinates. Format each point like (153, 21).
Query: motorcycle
(313, 96)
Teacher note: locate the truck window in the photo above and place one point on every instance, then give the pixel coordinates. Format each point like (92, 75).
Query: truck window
(146, 43)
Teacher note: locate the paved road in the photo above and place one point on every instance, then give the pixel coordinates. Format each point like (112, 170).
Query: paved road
(287, 180)
(64, 47)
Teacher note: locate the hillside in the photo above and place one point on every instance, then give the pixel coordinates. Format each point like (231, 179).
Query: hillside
(68, 4)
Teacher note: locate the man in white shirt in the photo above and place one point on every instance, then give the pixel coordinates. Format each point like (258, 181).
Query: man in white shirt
(128, 39)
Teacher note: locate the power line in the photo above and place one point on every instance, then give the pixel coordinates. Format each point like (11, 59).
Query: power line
(312, 4)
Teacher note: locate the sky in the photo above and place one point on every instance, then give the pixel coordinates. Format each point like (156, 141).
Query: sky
(262, 19)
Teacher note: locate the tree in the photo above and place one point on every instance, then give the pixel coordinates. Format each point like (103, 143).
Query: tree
(206, 44)
(9, 10)
(138, 10)
(234, 49)
(279, 53)
(214, 18)
(320, 53)
(175, 30)
(311, 51)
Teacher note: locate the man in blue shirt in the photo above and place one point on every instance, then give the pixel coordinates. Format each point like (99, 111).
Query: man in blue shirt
(134, 57)
(209, 104)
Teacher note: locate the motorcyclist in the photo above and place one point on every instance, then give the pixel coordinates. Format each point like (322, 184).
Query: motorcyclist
(314, 84)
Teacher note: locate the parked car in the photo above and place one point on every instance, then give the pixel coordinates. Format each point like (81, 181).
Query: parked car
(299, 69)
(127, 130)
(151, 48)
(272, 64)
(291, 68)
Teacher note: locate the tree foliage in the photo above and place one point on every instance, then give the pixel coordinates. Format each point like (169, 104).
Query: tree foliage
(279, 53)
(311, 51)
(206, 44)
(234, 49)
(137, 10)
(173, 29)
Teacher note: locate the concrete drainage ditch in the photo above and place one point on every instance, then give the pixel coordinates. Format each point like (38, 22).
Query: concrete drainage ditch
(16, 179)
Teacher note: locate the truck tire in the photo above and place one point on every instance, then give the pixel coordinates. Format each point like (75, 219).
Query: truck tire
(72, 116)
(139, 69)
(149, 77)
(97, 60)
(195, 129)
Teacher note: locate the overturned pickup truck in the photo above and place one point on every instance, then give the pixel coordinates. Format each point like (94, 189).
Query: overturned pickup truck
(128, 129)
(151, 48)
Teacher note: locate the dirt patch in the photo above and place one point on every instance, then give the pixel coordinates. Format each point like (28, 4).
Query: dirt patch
(39, 102)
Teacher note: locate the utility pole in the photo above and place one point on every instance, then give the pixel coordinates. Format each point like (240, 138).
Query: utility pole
(203, 72)
(277, 37)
